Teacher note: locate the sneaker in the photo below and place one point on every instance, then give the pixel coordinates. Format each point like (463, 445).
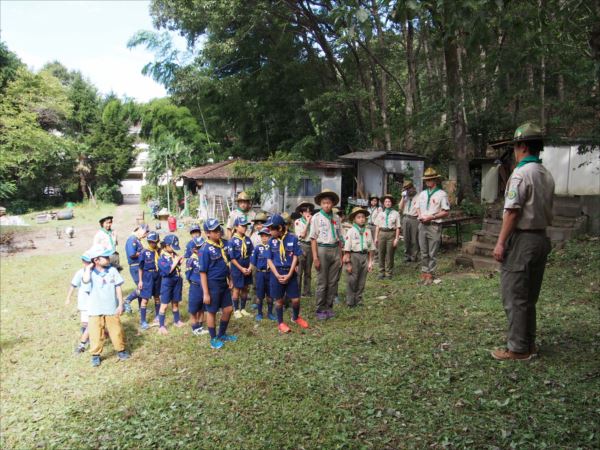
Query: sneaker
(271, 316)
(123, 355)
(179, 324)
(127, 307)
(283, 328)
(228, 338)
(237, 314)
(200, 331)
(330, 314)
(301, 322)
(253, 306)
(96, 361)
(80, 348)
(163, 331)
(144, 325)
(503, 354)
(322, 315)
(258, 317)
(216, 343)
(245, 313)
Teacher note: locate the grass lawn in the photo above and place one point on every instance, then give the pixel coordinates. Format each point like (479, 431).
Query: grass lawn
(410, 369)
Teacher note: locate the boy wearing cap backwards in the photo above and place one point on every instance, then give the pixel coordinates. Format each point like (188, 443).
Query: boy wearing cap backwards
(171, 284)
(82, 303)
(326, 241)
(195, 297)
(302, 230)
(239, 250)
(282, 258)
(432, 206)
(387, 235)
(358, 255)
(103, 283)
(263, 278)
(216, 282)
(133, 248)
(149, 276)
(244, 210)
(195, 231)
(410, 222)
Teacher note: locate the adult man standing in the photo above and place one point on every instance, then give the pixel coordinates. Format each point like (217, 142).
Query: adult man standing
(106, 237)
(244, 209)
(432, 206)
(410, 223)
(522, 245)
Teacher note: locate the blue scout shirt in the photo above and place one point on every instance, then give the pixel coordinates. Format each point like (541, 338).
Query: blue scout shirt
(288, 246)
(213, 261)
(164, 266)
(192, 272)
(83, 298)
(102, 293)
(259, 257)
(240, 249)
(133, 247)
(148, 260)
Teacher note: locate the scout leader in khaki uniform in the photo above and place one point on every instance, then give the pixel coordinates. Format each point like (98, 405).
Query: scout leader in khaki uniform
(106, 237)
(432, 206)
(326, 240)
(523, 246)
(410, 222)
(244, 209)
(386, 236)
(358, 255)
(305, 261)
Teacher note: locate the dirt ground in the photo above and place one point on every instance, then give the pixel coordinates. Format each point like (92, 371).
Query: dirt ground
(46, 240)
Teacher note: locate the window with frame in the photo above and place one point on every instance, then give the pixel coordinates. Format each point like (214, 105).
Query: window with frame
(307, 187)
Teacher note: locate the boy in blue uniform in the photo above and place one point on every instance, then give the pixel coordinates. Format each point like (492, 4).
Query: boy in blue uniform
(171, 284)
(133, 248)
(239, 250)
(195, 231)
(149, 284)
(216, 282)
(282, 256)
(195, 297)
(260, 263)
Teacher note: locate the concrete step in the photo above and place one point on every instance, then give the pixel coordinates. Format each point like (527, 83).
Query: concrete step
(485, 237)
(567, 210)
(567, 200)
(565, 222)
(557, 234)
(478, 248)
(485, 263)
(492, 226)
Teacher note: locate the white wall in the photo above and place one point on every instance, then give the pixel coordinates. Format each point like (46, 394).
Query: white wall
(372, 173)
(574, 174)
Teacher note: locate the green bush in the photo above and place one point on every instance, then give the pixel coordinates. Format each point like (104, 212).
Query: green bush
(149, 192)
(109, 194)
(19, 206)
(471, 208)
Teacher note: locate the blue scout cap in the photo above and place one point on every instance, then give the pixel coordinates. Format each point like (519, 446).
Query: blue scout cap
(142, 226)
(241, 221)
(97, 250)
(152, 237)
(172, 240)
(276, 221)
(265, 230)
(195, 227)
(86, 257)
(198, 241)
(211, 224)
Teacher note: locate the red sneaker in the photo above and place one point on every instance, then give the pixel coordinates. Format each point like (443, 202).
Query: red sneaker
(283, 328)
(300, 322)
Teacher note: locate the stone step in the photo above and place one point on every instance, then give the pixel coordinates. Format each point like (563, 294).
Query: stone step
(560, 234)
(492, 226)
(568, 201)
(562, 221)
(485, 237)
(478, 248)
(572, 211)
(485, 263)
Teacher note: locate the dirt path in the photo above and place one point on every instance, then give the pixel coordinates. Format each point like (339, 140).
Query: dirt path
(47, 241)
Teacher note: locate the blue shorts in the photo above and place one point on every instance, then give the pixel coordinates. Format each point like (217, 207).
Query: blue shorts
(240, 281)
(263, 284)
(133, 271)
(151, 285)
(220, 296)
(170, 290)
(290, 290)
(195, 298)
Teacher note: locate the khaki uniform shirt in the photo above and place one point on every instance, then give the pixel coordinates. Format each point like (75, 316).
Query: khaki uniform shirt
(389, 220)
(438, 201)
(250, 215)
(530, 188)
(321, 229)
(103, 239)
(302, 230)
(373, 213)
(353, 241)
(409, 205)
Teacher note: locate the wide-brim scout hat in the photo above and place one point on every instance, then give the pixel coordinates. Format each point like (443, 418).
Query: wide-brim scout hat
(243, 197)
(431, 174)
(302, 205)
(286, 217)
(407, 185)
(529, 131)
(97, 250)
(104, 219)
(327, 193)
(357, 210)
(260, 217)
(372, 196)
(390, 196)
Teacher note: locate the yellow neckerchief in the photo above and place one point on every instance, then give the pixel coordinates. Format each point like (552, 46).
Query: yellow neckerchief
(194, 256)
(244, 246)
(361, 232)
(220, 246)
(168, 256)
(155, 257)
(282, 247)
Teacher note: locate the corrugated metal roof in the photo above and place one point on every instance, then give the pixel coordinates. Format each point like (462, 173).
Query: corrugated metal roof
(380, 154)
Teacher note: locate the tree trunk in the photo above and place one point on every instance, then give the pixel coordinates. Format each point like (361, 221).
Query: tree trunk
(383, 95)
(411, 88)
(542, 66)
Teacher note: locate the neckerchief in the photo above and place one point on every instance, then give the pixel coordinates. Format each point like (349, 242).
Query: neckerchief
(387, 216)
(155, 258)
(361, 232)
(282, 248)
(305, 222)
(244, 246)
(529, 159)
(170, 258)
(109, 234)
(330, 218)
(220, 246)
(243, 212)
(430, 194)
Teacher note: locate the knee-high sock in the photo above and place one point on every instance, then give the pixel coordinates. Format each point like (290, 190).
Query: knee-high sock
(143, 310)
(176, 316)
(243, 303)
(161, 319)
(223, 327)
(279, 313)
(295, 311)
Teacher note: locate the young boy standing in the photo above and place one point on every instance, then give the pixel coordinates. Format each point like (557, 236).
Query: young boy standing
(410, 222)
(171, 285)
(259, 261)
(387, 235)
(358, 255)
(239, 250)
(149, 285)
(195, 231)
(82, 303)
(133, 248)
(326, 240)
(282, 257)
(103, 284)
(216, 282)
(196, 297)
(302, 230)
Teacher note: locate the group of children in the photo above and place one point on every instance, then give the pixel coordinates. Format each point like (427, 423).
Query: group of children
(262, 251)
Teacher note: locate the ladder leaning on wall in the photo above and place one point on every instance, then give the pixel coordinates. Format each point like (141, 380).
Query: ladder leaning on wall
(219, 211)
